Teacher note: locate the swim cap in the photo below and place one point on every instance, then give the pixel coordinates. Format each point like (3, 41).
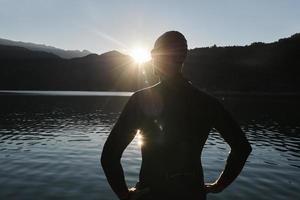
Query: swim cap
(171, 43)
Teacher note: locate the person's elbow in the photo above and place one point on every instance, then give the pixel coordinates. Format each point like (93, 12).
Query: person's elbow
(104, 160)
(249, 148)
(108, 159)
(245, 150)
(242, 151)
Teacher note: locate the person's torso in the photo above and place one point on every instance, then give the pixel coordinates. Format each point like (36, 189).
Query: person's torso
(175, 123)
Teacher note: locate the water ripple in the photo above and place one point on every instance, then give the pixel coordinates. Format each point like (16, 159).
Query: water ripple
(52, 150)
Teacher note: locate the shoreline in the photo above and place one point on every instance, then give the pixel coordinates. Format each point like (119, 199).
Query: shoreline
(125, 93)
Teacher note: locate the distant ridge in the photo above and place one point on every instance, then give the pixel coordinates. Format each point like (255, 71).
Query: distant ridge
(258, 68)
(41, 47)
(23, 54)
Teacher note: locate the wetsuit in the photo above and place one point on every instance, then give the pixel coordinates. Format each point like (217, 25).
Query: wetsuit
(174, 119)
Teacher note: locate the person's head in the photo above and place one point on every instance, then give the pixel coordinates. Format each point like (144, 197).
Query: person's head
(169, 53)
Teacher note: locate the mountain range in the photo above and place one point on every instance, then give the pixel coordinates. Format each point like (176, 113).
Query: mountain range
(41, 47)
(255, 68)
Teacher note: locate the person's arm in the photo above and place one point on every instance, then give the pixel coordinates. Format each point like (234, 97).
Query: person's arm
(240, 148)
(121, 135)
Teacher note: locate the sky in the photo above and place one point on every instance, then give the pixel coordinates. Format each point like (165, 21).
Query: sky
(100, 26)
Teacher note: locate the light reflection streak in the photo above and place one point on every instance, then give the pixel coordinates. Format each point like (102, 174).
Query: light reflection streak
(139, 138)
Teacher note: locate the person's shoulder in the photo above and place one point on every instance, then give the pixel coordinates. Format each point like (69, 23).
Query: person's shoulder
(141, 95)
(207, 102)
(144, 91)
(200, 94)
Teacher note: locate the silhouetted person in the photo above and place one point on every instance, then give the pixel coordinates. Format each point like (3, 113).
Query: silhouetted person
(174, 119)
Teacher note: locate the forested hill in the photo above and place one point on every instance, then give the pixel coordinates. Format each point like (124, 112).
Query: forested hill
(272, 67)
(259, 67)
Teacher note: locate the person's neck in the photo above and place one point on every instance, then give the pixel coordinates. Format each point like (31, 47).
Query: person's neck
(171, 79)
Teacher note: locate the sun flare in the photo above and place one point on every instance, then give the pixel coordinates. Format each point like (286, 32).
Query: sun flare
(140, 55)
(139, 138)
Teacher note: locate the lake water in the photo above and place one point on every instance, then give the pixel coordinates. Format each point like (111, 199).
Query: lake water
(50, 147)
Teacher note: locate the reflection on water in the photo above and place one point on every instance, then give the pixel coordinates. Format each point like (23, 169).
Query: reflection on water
(139, 137)
(50, 148)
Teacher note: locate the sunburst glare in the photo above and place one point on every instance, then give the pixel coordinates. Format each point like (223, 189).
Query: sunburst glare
(140, 55)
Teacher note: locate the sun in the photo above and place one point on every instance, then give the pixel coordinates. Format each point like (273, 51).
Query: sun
(140, 55)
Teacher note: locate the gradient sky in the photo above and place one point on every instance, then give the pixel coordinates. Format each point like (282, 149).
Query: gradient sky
(101, 26)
